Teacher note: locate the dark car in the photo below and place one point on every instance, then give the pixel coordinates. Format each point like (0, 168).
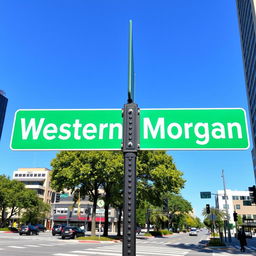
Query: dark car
(57, 229)
(28, 230)
(40, 227)
(71, 232)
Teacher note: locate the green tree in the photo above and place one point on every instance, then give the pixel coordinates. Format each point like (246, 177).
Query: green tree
(36, 209)
(158, 217)
(156, 175)
(15, 199)
(80, 171)
(89, 171)
(178, 208)
(214, 222)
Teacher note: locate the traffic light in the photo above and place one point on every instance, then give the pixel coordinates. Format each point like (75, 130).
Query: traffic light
(208, 210)
(252, 191)
(165, 205)
(235, 216)
(57, 199)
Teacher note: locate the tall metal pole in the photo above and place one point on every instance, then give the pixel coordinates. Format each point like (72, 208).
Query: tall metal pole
(130, 149)
(226, 203)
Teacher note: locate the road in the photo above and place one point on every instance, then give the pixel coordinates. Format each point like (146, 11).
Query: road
(12, 244)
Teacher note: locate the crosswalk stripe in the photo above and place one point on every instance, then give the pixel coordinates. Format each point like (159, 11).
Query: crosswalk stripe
(32, 245)
(65, 254)
(46, 244)
(17, 247)
(101, 253)
(140, 251)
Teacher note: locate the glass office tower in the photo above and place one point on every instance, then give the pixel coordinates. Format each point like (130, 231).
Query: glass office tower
(247, 24)
(3, 104)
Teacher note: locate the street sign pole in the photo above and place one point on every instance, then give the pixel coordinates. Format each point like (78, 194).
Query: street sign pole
(130, 148)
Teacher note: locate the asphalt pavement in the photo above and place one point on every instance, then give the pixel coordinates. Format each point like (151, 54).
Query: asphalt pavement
(12, 244)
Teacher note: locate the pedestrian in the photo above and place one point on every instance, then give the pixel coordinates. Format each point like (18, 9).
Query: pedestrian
(242, 239)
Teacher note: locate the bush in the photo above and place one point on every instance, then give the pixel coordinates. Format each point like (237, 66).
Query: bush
(4, 229)
(165, 232)
(215, 242)
(147, 234)
(160, 232)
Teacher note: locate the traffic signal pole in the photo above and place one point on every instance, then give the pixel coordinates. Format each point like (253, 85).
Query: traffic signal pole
(226, 222)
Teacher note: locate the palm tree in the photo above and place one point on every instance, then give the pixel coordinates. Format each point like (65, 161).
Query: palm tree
(158, 217)
(215, 218)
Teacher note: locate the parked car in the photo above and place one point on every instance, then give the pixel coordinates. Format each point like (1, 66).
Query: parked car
(72, 232)
(28, 230)
(57, 229)
(193, 232)
(40, 227)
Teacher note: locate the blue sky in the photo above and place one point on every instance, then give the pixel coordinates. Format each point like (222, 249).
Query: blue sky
(74, 55)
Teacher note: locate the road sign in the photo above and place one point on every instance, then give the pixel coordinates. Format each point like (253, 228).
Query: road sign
(205, 194)
(100, 211)
(100, 203)
(161, 129)
(65, 195)
(67, 130)
(213, 217)
(193, 129)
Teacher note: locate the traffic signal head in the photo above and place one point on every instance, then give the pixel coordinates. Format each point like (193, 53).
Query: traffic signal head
(235, 216)
(165, 205)
(57, 197)
(252, 191)
(208, 210)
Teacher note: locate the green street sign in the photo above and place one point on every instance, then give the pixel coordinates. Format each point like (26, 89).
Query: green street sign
(65, 195)
(67, 130)
(102, 129)
(193, 129)
(205, 194)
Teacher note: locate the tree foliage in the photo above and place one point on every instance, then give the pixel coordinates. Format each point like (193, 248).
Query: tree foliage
(15, 199)
(90, 171)
(217, 221)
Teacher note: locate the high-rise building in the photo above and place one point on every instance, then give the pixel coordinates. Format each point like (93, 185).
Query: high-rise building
(3, 104)
(247, 24)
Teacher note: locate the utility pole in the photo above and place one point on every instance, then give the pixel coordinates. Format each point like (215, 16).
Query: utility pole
(226, 222)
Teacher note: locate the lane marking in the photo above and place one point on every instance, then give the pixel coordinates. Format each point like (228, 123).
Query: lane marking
(17, 247)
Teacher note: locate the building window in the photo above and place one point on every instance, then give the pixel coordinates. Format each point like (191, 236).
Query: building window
(235, 197)
(242, 197)
(35, 175)
(27, 175)
(225, 197)
(31, 175)
(16, 175)
(254, 217)
(39, 174)
(238, 206)
(43, 175)
(23, 175)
